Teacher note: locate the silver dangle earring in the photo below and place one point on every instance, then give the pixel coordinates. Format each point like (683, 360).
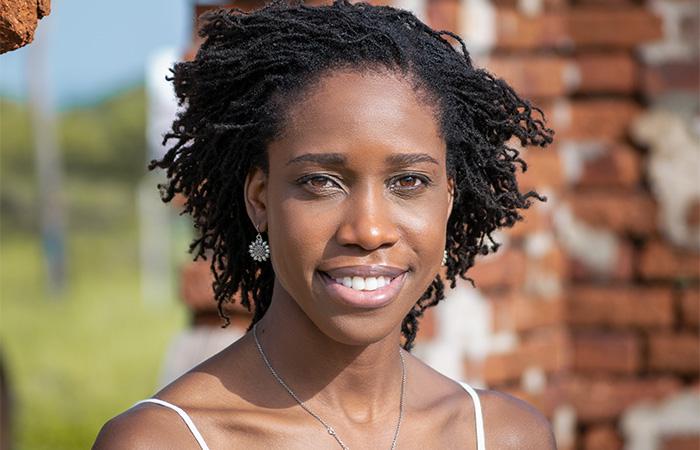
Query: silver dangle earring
(258, 249)
(444, 258)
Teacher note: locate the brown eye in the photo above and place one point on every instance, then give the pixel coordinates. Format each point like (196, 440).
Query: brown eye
(318, 182)
(408, 182)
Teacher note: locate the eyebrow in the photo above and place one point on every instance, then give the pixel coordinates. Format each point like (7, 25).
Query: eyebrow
(405, 159)
(339, 159)
(325, 159)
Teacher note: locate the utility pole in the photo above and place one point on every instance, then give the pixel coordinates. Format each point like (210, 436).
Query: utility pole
(48, 162)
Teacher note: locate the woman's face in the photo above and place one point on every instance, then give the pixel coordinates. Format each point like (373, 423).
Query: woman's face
(355, 204)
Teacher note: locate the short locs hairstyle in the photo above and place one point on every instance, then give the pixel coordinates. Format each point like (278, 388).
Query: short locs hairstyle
(235, 95)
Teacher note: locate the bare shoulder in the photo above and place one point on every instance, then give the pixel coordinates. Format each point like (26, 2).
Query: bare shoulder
(146, 426)
(511, 423)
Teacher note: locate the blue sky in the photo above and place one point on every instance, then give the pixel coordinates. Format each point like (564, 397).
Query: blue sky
(97, 47)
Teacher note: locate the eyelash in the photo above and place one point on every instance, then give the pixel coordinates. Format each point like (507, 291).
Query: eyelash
(421, 179)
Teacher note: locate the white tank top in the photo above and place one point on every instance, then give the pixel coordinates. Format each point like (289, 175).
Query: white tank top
(480, 441)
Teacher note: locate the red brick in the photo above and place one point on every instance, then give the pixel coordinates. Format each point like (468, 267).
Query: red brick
(196, 285)
(533, 220)
(506, 268)
(544, 170)
(534, 76)
(606, 352)
(547, 4)
(620, 211)
(618, 167)
(680, 443)
(516, 31)
(620, 306)
(604, 399)
(690, 307)
(606, 73)
(602, 437)
(612, 28)
(605, 120)
(427, 326)
(678, 353)
(622, 268)
(546, 350)
(443, 14)
(516, 312)
(659, 260)
(676, 76)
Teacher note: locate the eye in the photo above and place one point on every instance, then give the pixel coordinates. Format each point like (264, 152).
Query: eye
(408, 182)
(318, 182)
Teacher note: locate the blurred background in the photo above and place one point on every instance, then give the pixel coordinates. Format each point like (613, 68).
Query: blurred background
(590, 311)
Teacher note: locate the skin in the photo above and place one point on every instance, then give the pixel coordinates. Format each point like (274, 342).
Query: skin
(357, 185)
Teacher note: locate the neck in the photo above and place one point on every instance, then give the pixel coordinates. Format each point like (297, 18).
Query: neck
(354, 378)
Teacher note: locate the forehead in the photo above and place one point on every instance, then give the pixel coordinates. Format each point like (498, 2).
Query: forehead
(350, 109)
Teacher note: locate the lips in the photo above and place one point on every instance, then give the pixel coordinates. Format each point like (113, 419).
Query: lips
(364, 286)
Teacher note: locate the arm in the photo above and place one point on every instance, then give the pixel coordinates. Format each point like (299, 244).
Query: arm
(511, 423)
(148, 427)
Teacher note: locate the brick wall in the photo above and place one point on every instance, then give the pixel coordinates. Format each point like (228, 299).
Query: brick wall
(594, 300)
(591, 309)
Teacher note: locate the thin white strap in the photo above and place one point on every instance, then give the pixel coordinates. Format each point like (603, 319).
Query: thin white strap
(480, 438)
(195, 432)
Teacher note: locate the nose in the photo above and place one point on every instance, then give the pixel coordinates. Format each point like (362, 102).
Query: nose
(367, 221)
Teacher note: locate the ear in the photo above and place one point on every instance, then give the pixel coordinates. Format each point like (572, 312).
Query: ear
(255, 192)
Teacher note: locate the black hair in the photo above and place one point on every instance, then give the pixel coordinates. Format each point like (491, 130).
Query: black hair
(235, 96)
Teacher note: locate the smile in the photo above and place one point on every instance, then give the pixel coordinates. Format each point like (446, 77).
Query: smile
(364, 284)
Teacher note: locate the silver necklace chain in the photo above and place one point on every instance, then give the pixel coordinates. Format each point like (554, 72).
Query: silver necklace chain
(330, 430)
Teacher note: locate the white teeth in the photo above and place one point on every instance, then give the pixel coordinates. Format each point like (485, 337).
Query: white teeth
(364, 284)
(358, 283)
(370, 284)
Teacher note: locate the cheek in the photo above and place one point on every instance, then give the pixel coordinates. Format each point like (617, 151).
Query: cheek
(425, 225)
(298, 236)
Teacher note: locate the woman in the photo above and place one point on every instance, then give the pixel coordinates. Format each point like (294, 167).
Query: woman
(333, 158)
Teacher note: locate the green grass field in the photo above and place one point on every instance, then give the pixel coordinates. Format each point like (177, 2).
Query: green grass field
(76, 359)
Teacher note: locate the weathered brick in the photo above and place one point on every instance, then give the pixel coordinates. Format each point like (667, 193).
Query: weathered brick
(680, 442)
(516, 312)
(676, 76)
(516, 31)
(533, 76)
(620, 166)
(427, 326)
(621, 211)
(544, 170)
(606, 120)
(622, 269)
(690, 307)
(505, 268)
(602, 399)
(443, 14)
(606, 352)
(546, 350)
(620, 306)
(606, 73)
(602, 437)
(676, 353)
(659, 260)
(196, 287)
(612, 28)
(533, 220)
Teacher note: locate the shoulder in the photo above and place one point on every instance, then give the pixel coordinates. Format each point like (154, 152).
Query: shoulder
(146, 426)
(511, 423)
